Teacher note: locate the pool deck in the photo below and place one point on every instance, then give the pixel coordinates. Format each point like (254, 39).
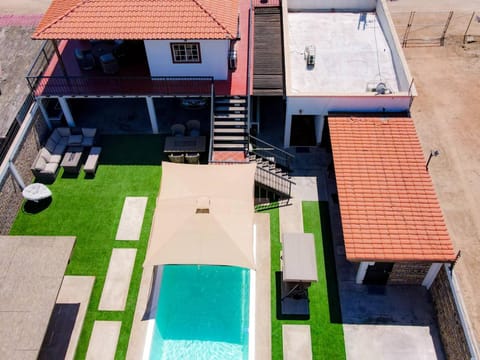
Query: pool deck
(263, 345)
(29, 287)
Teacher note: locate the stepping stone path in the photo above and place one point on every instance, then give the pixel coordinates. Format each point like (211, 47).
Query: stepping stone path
(103, 342)
(117, 282)
(131, 220)
(297, 342)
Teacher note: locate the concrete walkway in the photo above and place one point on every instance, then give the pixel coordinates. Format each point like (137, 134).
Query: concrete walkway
(131, 221)
(117, 282)
(297, 342)
(76, 290)
(104, 339)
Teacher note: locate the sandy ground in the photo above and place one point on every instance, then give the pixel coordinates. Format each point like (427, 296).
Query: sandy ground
(446, 117)
(21, 7)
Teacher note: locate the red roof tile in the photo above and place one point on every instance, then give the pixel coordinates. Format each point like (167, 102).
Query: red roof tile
(139, 19)
(388, 205)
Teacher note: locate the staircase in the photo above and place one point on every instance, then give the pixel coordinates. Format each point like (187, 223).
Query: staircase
(230, 124)
(273, 184)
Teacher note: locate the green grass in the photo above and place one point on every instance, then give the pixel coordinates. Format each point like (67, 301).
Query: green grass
(90, 209)
(325, 317)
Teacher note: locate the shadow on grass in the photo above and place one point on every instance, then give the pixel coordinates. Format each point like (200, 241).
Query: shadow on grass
(132, 149)
(330, 268)
(32, 207)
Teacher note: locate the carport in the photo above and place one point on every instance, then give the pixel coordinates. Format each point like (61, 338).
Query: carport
(392, 222)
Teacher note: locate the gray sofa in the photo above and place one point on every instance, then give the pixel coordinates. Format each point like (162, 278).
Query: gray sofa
(47, 162)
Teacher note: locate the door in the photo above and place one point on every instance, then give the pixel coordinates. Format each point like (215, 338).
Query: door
(303, 131)
(378, 273)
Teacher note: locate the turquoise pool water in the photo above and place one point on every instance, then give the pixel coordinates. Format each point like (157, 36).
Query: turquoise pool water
(202, 313)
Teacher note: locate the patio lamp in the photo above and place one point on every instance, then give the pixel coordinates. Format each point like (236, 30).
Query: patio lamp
(432, 154)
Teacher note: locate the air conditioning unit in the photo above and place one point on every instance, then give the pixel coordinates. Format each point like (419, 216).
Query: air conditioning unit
(309, 55)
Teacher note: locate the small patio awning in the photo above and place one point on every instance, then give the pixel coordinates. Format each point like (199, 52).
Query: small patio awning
(299, 260)
(204, 215)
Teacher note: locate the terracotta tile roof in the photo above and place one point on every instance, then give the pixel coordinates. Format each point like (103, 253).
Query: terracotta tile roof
(139, 19)
(388, 205)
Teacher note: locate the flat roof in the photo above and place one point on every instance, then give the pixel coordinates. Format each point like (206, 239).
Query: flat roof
(31, 273)
(352, 53)
(389, 208)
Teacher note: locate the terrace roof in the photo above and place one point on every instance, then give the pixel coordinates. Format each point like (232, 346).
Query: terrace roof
(388, 205)
(139, 19)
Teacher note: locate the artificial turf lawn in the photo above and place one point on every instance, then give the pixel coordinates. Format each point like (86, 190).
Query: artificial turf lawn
(325, 317)
(90, 209)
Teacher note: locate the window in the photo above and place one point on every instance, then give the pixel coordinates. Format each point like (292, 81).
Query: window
(186, 52)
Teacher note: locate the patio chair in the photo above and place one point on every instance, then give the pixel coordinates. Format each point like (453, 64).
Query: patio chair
(176, 158)
(85, 59)
(178, 129)
(192, 158)
(193, 127)
(109, 64)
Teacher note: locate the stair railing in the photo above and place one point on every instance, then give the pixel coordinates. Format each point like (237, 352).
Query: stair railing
(212, 120)
(270, 152)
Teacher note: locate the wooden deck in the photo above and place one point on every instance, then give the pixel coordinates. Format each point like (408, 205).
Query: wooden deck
(268, 69)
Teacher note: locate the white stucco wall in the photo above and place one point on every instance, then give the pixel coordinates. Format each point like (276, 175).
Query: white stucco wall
(360, 5)
(322, 105)
(404, 77)
(214, 55)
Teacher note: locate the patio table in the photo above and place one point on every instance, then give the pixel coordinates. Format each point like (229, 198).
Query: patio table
(184, 144)
(71, 160)
(36, 192)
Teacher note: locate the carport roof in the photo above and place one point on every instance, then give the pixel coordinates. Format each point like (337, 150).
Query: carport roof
(388, 205)
(139, 19)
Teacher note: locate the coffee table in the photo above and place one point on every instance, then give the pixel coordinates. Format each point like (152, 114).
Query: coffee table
(71, 161)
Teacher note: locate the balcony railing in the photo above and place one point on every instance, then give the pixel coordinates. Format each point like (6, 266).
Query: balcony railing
(266, 3)
(43, 80)
(119, 85)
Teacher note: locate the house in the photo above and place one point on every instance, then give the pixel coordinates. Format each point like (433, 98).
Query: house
(98, 49)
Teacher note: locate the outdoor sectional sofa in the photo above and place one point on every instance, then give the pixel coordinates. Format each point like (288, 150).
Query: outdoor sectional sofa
(47, 162)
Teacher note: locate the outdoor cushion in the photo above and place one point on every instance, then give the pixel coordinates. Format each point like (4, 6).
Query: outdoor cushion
(75, 139)
(51, 144)
(55, 158)
(51, 168)
(89, 132)
(63, 131)
(55, 136)
(59, 149)
(40, 164)
(45, 154)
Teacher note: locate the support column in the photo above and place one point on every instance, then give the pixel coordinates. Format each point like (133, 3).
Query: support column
(44, 113)
(66, 111)
(288, 129)
(431, 274)
(362, 271)
(16, 175)
(152, 114)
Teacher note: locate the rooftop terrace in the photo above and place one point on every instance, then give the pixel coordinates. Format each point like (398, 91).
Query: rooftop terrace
(352, 53)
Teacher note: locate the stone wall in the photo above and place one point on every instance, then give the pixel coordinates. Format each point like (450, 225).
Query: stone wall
(10, 192)
(408, 273)
(451, 330)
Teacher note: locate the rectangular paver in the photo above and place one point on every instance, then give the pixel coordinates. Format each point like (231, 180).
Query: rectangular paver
(117, 282)
(104, 339)
(131, 220)
(76, 290)
(297, 342)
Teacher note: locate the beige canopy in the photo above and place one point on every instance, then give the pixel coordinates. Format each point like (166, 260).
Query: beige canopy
(204, 215)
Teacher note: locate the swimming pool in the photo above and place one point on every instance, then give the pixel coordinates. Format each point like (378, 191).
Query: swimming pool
(202, 313)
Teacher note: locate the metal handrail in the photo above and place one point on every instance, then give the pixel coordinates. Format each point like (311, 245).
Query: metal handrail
(212, 121)
(267, 150)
